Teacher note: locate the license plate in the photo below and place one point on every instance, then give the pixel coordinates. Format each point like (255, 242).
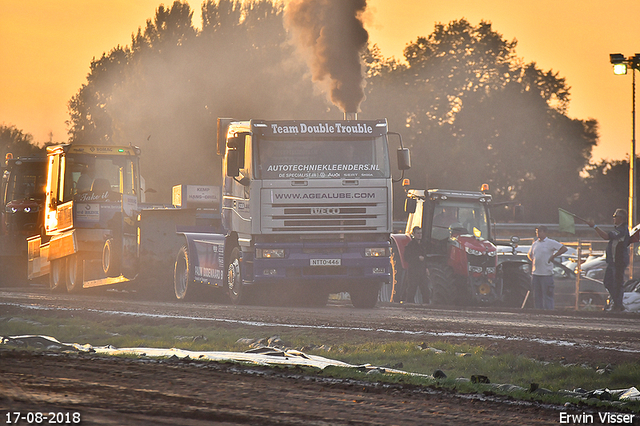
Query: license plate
(325, 262)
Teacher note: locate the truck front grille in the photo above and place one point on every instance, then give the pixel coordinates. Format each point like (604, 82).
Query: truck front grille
(324, 210)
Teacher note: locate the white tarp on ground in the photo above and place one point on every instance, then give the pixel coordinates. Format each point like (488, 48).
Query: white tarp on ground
(258, 356)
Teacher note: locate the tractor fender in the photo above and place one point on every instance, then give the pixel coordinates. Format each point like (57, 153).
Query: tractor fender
(400, 241)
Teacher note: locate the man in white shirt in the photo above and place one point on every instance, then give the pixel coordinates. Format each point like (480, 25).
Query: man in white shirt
(541, 254)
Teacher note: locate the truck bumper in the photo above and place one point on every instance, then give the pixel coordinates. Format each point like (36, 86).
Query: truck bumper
(323, 262)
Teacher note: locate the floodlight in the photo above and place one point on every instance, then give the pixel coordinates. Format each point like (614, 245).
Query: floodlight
(619, 69)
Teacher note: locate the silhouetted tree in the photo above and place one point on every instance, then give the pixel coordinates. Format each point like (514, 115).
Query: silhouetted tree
(474, 113)
(18, 143)
(606, 188)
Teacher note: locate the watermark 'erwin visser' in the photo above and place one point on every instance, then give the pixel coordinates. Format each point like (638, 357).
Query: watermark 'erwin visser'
(605, 418)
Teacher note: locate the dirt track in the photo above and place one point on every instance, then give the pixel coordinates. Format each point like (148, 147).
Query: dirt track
(137, 392)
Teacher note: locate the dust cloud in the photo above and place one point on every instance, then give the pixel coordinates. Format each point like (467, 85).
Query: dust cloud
(332, 36)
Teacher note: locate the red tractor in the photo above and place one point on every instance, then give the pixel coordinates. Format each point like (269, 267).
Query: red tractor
(23, 191)
(463, 261)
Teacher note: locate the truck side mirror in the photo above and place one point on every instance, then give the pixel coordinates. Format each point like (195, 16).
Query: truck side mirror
(221, 135)
(404, 159)
(410, 205)
(233, 166)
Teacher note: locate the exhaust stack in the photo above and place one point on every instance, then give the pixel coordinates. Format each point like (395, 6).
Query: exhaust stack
(350, 116)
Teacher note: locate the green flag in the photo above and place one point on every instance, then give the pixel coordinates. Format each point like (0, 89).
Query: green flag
(566, 221)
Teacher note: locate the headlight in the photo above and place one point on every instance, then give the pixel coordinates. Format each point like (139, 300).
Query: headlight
(473, 251)
(376, 252)
(526, 268)
(269, 253)
(28, 209)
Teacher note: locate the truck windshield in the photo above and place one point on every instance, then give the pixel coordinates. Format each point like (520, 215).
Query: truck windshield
(471, 215)
(27, 182)
(94, 173)
(323, 158)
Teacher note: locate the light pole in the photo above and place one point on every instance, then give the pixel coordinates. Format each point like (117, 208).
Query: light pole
(620, 66)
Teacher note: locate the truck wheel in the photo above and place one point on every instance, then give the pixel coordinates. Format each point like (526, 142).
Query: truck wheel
(515, 285)
(235, 288)
(443, 287)
(111, 255)
(74, 273)
(57, 276)
(183, 278)
(365, 296)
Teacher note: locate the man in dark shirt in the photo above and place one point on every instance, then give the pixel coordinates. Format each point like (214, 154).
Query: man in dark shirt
(617, 256)
(415, 254)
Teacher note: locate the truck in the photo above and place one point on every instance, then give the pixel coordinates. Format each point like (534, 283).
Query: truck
(303, 210)
(96, 229)
(463, 261)
(22, 194)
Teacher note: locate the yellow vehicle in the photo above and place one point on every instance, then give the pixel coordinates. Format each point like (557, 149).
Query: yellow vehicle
(96, 232)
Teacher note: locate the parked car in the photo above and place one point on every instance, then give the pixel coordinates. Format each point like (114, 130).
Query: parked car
(593, 267)
(591, 295)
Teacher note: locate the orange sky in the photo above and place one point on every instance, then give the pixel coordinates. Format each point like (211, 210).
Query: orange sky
(46, 47)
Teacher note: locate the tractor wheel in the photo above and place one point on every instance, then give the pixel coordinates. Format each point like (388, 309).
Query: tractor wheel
(364, 296)
(443, 286)
(57, 279)
(183, 278)
(74, 273)
(515, 285)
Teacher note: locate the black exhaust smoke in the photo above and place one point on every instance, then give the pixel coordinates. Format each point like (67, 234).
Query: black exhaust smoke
(332, 35)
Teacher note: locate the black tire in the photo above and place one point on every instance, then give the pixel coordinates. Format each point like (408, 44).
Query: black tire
(235, 288)
(74, 273)
(183, 276)
(57, 275)
(398, 275)
(111, 258)
(443, 286)
(515, 285)
(592, 301)
(365, 296)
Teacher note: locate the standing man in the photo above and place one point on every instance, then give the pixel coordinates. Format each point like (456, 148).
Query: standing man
(541, 254)
(617, 256)
(415, 253)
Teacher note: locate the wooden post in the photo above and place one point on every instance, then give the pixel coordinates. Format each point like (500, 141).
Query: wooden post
(578, 273)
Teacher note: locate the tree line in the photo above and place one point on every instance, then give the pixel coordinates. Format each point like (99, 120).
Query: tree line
(469, 108)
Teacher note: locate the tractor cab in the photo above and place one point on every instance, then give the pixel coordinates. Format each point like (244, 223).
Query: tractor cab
(446, 216)
(23, 192)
